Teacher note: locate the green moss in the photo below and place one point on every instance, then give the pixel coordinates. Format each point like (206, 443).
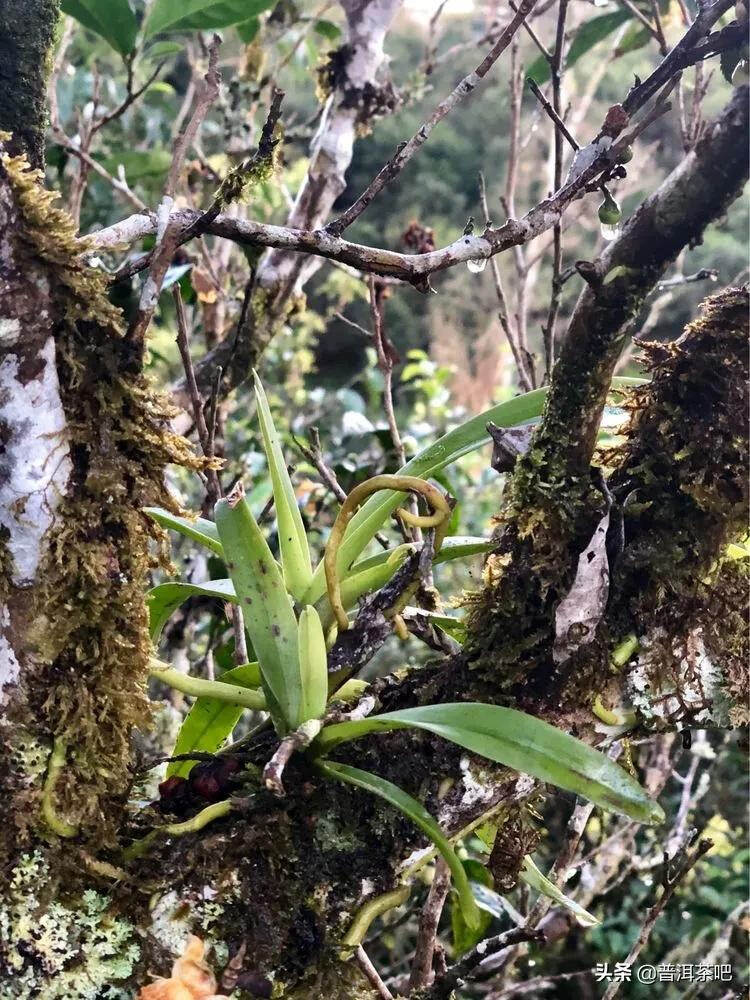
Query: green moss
(90, 635)
(686, 453)
(25, 55)
(686, 458)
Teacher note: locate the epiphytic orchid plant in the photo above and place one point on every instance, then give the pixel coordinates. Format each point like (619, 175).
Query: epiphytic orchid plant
(292, 613)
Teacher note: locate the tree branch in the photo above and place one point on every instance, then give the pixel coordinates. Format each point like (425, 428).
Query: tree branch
(397, 163)
(695, 193)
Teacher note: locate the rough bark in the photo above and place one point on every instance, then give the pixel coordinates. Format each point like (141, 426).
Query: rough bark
(84, 447)
(552, 507)
(26, 32)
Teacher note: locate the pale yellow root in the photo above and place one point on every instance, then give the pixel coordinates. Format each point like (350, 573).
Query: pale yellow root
(409, 484)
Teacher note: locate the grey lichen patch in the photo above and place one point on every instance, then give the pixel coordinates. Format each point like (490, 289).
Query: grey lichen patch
(676, 681)
(61, 949)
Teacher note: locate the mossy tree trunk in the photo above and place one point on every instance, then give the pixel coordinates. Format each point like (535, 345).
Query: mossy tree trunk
(27, 28)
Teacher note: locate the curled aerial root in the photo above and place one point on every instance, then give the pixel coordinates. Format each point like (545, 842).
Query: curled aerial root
(438, 519)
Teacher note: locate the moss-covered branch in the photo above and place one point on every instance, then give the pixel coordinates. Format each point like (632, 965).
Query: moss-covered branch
(551, 508)
(86, 444)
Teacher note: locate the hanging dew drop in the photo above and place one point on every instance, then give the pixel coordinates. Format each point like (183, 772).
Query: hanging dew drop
(477, 264)
(610, 232)
(610, 216)
(601, 3)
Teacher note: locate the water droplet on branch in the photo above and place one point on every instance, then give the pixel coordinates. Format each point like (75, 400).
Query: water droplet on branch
(610, 232)
(477, 264)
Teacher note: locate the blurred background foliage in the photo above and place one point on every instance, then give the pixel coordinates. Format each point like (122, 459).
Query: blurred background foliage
(320, 371)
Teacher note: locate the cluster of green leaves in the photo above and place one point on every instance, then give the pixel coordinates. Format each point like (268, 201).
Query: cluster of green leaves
(282, 621)
(116, 22)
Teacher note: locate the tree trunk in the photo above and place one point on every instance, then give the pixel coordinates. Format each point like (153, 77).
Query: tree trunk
(26, 32)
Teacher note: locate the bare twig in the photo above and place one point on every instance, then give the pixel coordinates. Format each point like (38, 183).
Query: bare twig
(556, 69)
(315, 455)
(421, 969)
(298, 740)
(206, 97)
(533, 35)
(553, 114)
(669, 884)
(536, 986)
(524, 365)
(640, 16)
(704, 274)
(430, 49)
(387, 357)
(130, 98)
(84, 120)
(372, 974)
(463, 970)
(405, 152)
(204, 435)
(658, 27)
(721, 945)
(119, 184)
(169, 230)
(57, 68)
(509, 203)
(689, 50)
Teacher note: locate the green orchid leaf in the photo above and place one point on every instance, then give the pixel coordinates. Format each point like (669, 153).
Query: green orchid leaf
(517, 740)
(463, 439)
(198, 529)
(267, 609)
(210, 721)
(420, 817)
(313, 662)
(166, 598)
(464, 937)
(531, 875)
(295, 553)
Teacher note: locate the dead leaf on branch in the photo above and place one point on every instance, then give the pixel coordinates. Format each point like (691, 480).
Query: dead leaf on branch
(580, 611)
(507, 444)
